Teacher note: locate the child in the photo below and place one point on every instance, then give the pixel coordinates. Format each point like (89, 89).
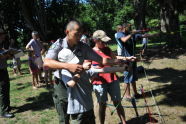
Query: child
(33, 69)
(144, 42)
(16, 66)
(47, 71)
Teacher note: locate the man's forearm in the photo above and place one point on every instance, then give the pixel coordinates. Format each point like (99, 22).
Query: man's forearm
(53, 64)
(107, 61)
(114, 69)
(109, 69)
(126, 38)
(121, 57)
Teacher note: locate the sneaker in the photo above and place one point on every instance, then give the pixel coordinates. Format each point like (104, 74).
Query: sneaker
(7, 115)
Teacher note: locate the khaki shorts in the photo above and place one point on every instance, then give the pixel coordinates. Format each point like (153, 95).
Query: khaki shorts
(113, 89)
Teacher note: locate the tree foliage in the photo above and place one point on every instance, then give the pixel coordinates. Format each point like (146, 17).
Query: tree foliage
(49, 17)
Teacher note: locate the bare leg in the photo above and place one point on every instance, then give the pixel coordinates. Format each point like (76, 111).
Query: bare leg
(19, 70)
(134, 88)
(37, 82)
(46, 77)
(40, 76)
(127, 87)
(142, 52)
(50, 76)
(102, 109)
(120, 111)
(33, 81)
(15, 71)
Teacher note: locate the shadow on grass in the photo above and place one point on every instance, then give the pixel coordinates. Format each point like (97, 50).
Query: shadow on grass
(24, 72)
(183, 118)
(23, 86)
(173, 87)
(41, 102)
(19, 84)
(142, 120)
(12, 78)
(168, 75)
(24, 61)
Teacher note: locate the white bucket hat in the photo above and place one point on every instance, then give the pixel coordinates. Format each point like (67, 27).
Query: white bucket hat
(67, 56)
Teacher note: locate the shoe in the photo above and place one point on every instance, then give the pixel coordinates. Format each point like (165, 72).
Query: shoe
(7, 115)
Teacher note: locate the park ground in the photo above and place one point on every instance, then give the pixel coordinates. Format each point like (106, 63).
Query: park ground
(166, 71)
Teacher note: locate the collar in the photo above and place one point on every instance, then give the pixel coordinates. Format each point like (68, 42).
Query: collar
(65, 44)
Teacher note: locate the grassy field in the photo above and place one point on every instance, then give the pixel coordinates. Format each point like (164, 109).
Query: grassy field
(167, 76)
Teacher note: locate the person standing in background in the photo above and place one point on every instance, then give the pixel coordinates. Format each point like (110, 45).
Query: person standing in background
(16, 62)
(126, 47)
(37, 47)
(4, 81)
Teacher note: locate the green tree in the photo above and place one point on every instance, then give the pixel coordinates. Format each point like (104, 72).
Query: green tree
(169, 17)
(140, 13)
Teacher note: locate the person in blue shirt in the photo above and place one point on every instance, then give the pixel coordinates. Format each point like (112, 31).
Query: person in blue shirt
(126, 47)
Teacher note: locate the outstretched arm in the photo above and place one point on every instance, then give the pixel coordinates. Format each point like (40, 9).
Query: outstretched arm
(109, 69)
(51, 63)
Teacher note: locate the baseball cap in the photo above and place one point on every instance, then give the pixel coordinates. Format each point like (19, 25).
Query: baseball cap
(100, 34)
(67, 56)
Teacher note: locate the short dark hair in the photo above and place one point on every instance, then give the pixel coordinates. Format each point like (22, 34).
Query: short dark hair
(71, 24)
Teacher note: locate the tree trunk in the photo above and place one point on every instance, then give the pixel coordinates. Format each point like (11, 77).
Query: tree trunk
(140, 12)
(169, 17)
(34, 14)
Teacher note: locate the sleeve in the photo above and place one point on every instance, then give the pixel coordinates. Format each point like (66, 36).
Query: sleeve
(90, 54)
(54, 50)
(66, 79)
(66, 76)
(119, 35)
(92, 73)
(30, 43)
